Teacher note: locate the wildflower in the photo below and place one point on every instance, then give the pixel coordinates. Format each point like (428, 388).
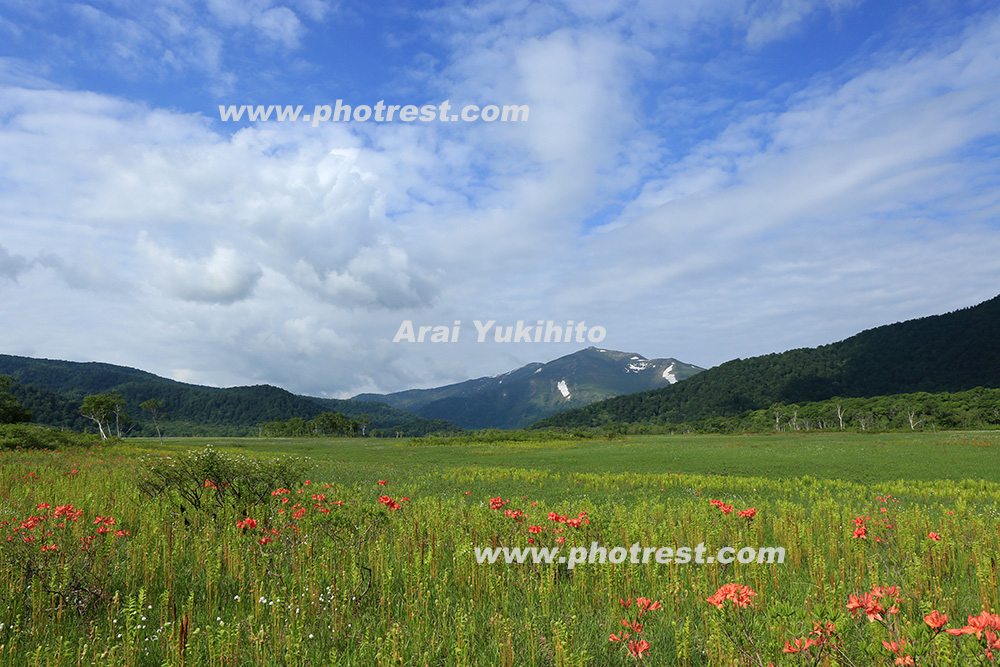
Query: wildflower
(389, 502)
(800, 645)
(646, 604)
(740, 596)
(535, 529)
(209, 484)
(936, 620)
(634, 626)
(933, 536)
(748, 513)
(247, 523)
(866, 603)
(637, 648)
(496, 503)
(383, 482)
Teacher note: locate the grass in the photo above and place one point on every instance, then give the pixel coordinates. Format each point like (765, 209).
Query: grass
(329, 575)
(861, 458)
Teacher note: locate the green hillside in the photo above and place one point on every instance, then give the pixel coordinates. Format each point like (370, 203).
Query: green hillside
(954, 352)
(53, 390)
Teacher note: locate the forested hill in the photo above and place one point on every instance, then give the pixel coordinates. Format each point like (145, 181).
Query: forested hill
(942, 353)
(53, 391)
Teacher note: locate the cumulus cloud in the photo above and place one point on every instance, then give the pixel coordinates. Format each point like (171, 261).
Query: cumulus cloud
(290, 254)
(222, 277)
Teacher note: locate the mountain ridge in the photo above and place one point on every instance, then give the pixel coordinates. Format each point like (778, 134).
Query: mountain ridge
(951, 352)
(538, 389)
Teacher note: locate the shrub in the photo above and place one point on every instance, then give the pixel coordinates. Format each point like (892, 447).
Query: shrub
(23, 436)
(209, 481)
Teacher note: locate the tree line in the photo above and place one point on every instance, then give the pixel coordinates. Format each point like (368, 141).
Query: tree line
(974, 409)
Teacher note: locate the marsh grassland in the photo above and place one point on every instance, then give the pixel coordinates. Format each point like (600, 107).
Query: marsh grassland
(362, 552)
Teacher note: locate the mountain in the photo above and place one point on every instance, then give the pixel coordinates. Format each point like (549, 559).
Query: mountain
(529, 393)
(53, 390)
(953, 352)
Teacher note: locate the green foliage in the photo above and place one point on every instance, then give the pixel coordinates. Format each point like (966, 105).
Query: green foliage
(102, 409)
(53, 390)
(11, 410)
(24, 436)
(494, 436)
(945, 353)
(209, 481)
(336, 424)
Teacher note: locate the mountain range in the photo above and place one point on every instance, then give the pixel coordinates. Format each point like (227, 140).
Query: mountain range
(53, 391)
(523, 396)
(953, 352)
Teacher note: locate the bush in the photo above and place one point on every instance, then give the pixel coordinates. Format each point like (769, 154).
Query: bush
(209, 481)
(22, 436)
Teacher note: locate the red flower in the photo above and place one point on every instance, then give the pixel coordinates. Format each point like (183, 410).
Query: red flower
(389, 503)
(723, 507)
(933, 536)
(209, 484)
(740, 596)
(496, 503)
(747, 513)
(638, 648)
(866, 603)
(936, 620)
(383, 482)
(535, 529)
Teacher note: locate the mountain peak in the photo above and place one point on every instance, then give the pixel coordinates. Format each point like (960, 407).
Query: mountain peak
(519, 397)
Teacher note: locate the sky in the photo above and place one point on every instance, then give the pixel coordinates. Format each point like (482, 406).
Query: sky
(704, 180)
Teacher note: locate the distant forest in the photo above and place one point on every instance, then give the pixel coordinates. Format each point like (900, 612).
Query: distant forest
(956, 352)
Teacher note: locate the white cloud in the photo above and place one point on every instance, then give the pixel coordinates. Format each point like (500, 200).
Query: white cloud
(290, 254)
(222, 277)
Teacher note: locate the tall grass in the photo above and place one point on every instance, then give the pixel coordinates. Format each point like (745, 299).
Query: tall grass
(341, 569)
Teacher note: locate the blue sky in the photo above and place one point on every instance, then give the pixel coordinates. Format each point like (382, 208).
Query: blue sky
(706, 180)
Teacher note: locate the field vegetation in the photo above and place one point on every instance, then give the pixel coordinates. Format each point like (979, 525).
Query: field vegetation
(360, 551)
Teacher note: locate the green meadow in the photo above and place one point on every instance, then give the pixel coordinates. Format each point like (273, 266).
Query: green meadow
(361, 551)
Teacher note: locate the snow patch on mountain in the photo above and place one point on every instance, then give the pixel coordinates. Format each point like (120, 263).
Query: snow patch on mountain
(563, 388)
(668, 374)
